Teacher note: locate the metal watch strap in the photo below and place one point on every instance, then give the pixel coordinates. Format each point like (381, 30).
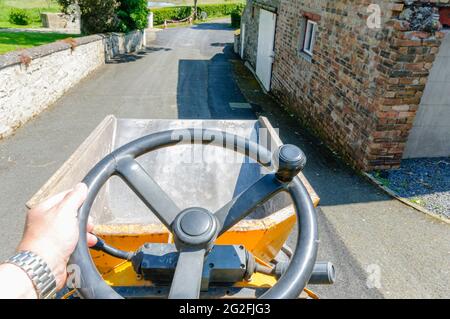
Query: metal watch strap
(37, 269)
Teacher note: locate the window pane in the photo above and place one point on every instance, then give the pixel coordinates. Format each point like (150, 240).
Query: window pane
(313, 37)
(308, 44)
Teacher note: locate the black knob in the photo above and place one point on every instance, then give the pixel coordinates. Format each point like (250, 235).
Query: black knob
(291, 160)
(195, 222)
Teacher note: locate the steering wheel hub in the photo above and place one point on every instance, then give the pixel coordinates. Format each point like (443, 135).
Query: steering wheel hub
(195, 226)
(195, 222)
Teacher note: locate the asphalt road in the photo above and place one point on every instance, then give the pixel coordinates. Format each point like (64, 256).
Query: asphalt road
(188, 73)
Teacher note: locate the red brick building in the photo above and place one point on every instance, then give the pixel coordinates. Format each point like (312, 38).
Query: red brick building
(353, 71)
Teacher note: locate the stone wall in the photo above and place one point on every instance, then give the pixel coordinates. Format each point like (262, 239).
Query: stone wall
(117, 43)
(361, 89)
(61, 21)
(33, 79)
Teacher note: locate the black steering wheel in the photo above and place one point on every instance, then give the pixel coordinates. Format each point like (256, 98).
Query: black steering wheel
(195, 229)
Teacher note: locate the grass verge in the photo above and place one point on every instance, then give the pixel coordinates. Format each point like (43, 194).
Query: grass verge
(11, 41)
(33, 7)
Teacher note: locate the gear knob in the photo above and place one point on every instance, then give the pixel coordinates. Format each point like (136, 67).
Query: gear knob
(291, 160)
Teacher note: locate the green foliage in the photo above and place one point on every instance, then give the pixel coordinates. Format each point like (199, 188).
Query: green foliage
(11, 41)
(417, 201)
(19, 17)
(219, 9)
(236, 15)
(171, 13)
(33, 7)
(132, 15)
(97, 16)
(384, 181)
(182, 12)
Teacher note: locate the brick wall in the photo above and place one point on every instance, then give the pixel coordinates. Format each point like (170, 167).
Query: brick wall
(361, 89)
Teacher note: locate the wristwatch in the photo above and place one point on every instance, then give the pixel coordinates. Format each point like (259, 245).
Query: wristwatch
(37, 269)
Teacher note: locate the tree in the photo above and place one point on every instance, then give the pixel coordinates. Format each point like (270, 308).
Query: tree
(132, 15)
(195, 9)
(97, 16)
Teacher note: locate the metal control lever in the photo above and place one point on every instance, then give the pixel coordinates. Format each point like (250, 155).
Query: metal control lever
(323, 272)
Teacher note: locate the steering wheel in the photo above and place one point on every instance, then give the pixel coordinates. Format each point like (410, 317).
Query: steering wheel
(195, 229)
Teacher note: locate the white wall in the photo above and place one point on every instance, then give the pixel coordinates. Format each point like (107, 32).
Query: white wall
(430, 135)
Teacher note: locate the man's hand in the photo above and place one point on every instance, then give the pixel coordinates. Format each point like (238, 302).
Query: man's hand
(51, 230)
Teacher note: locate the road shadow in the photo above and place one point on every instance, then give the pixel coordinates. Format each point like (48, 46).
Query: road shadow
(134, 56)
(151, 49)
(124, 58)
(213, 26)
(206, 89)
(220, 44)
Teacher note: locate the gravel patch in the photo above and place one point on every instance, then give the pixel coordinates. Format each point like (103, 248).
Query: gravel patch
(424, 181)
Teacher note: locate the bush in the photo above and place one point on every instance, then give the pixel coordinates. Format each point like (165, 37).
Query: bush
(236, 17)
(99, 16)
(182, 12)
(132, 15)
(19, 17)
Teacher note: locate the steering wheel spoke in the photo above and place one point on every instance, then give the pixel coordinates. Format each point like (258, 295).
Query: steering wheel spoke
(148, 190)
(187, 280)
(195, 229)
(247, 201)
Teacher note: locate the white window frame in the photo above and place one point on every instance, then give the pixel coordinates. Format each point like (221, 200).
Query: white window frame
(310, 37)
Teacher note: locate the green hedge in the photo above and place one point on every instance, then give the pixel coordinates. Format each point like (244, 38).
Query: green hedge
(220, 9)
(182, 12)
(170, 13)
(236, 15)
